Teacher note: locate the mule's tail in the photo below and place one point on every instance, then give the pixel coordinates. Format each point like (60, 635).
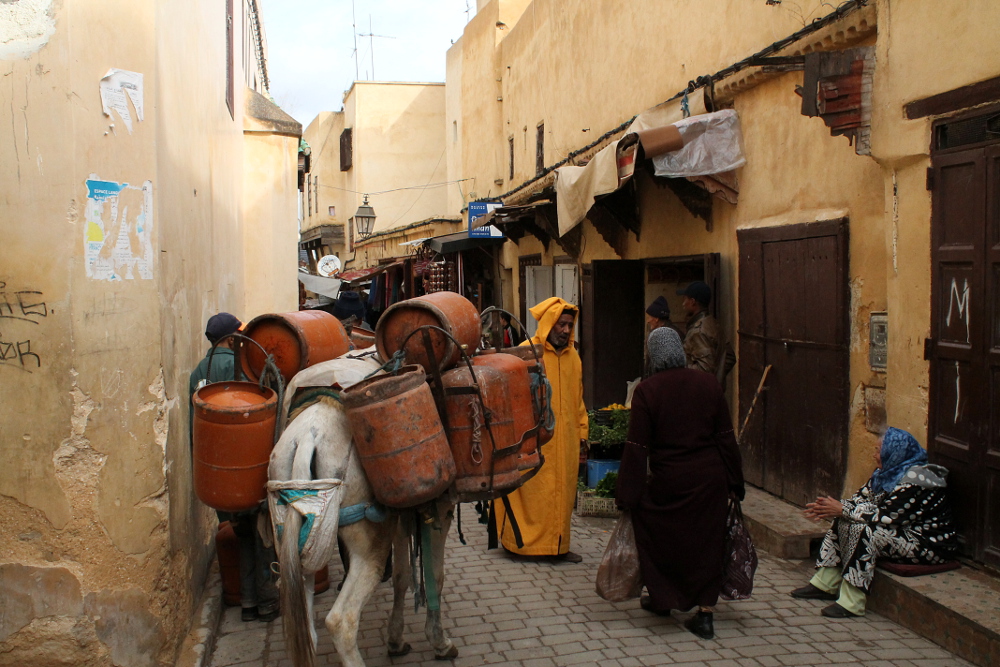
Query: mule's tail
(297, 620)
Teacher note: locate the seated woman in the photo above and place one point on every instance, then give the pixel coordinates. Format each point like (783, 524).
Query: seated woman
(901, 514)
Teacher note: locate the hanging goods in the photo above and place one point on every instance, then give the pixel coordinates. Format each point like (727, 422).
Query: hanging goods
(481, 431)
(232, 437)
(453, 313)
(296, 340)
(399, 437)
(519, 392)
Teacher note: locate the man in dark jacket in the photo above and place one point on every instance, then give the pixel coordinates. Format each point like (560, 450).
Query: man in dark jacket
(701, 341)
(258, 589)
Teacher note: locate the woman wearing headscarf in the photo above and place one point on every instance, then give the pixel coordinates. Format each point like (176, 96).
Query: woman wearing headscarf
(680, 427)
(901, 514)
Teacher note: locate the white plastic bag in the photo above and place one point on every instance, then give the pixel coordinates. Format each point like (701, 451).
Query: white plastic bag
(713, 143)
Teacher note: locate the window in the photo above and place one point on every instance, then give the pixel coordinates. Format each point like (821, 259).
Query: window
(332, 211)
(454, 131)
(510, 151)
(346, 149)
(309, 196)
(540, 150)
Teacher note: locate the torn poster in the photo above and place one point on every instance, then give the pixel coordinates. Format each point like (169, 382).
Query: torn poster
(117, 87)
(118, 236)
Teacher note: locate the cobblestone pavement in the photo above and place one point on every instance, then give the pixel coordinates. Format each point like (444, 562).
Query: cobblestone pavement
(502, 612)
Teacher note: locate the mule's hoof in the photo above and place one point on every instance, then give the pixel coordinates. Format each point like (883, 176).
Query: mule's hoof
(398, 650)
(450, 654)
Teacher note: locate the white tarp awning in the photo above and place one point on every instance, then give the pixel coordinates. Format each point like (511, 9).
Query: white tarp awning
(326, 286)
(702, 141)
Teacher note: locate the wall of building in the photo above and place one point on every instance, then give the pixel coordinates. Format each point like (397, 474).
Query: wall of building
(122, 243)
(399, 155)
(920, 53)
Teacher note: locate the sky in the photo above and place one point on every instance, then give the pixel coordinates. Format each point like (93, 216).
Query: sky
(310, 44)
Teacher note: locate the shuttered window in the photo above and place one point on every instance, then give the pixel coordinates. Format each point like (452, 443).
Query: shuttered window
(346, 149)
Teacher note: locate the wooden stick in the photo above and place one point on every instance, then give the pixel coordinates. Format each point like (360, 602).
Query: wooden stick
(760, 388)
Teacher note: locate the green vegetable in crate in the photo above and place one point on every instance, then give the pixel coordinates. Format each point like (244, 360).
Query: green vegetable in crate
(614, 433)
(606, 487)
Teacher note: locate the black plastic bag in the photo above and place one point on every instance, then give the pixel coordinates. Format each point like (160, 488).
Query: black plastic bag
(741, 556)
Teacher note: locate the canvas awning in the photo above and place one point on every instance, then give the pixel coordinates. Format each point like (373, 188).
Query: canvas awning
(702, 144)
(320, 285)
(459, 241)
(358, 275)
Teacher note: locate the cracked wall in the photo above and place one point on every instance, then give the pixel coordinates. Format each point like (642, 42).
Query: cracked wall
(105, 546)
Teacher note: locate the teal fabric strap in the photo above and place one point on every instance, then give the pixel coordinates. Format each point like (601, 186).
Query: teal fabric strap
(430, 585)
(374, 512)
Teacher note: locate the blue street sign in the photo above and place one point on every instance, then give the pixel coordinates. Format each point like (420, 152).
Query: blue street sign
(478, 209)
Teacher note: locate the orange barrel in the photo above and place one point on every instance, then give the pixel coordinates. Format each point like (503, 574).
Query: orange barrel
(362, 338)
(297, 340)
(322, 582)
(448, 310)
(227, 550)
(400, 440)
(515, 370)
(233, 434)
(481, 474)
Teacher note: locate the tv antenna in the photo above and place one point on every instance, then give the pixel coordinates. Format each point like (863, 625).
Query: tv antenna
(371, 43)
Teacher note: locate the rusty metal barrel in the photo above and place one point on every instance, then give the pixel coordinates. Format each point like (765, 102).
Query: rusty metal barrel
(296, 340)
(232, 437)
(400, 440)
(484, 470)
(447, 310)
(519, 393)
(362, 338)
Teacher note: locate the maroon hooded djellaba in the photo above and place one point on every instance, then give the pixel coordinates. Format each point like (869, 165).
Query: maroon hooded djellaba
(680, 422)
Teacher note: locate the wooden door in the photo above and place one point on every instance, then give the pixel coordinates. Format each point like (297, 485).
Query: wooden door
(964, 350)
(793, 316)
(618, 329)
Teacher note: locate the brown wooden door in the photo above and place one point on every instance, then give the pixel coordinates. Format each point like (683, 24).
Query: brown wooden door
(793, 316)
(964, 433)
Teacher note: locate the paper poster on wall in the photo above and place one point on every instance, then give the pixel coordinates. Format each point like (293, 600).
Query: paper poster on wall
(118, 236)
(117, 87)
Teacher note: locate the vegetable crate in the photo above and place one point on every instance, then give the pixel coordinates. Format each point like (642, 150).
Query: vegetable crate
(588, 504)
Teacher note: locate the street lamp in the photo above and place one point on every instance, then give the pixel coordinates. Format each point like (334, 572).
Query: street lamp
(364, 220)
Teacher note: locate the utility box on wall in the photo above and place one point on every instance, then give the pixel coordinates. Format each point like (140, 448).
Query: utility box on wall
(878, 341)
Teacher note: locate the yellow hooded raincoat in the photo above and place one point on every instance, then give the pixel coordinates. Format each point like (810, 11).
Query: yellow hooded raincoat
(544, 505)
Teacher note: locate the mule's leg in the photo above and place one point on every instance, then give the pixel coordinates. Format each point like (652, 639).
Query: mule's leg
(369, 545)
(444, 649)
(401, 577)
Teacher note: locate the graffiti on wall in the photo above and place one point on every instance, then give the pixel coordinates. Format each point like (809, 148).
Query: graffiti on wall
(16, 308)
(118, 236)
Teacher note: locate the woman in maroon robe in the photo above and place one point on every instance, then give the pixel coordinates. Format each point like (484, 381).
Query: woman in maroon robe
(680, 425)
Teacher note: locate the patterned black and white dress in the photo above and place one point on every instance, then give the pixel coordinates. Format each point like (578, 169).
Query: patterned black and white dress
(910, 524)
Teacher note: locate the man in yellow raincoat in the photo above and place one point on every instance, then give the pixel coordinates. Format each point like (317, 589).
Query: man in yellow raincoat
(544, 504)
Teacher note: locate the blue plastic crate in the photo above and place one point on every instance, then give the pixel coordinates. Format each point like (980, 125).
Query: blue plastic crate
(598, 468)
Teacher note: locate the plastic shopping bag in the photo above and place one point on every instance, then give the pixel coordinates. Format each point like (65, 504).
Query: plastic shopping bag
(618, 577)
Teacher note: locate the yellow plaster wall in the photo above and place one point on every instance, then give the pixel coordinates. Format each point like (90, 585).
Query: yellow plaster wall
(922, 50)
(96, 481)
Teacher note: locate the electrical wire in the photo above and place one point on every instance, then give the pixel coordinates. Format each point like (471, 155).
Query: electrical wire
(843, 10)
(425, 186)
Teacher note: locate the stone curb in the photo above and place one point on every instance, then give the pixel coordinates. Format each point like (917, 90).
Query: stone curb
(196, 651)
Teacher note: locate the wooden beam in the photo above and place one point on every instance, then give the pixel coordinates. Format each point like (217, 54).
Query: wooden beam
(953, 100)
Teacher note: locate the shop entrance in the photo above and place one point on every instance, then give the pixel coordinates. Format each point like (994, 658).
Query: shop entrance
(964, 349)
(793, 316)
(615, 295)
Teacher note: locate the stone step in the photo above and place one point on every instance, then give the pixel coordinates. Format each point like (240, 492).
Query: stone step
(958, 610)
(778, 527)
